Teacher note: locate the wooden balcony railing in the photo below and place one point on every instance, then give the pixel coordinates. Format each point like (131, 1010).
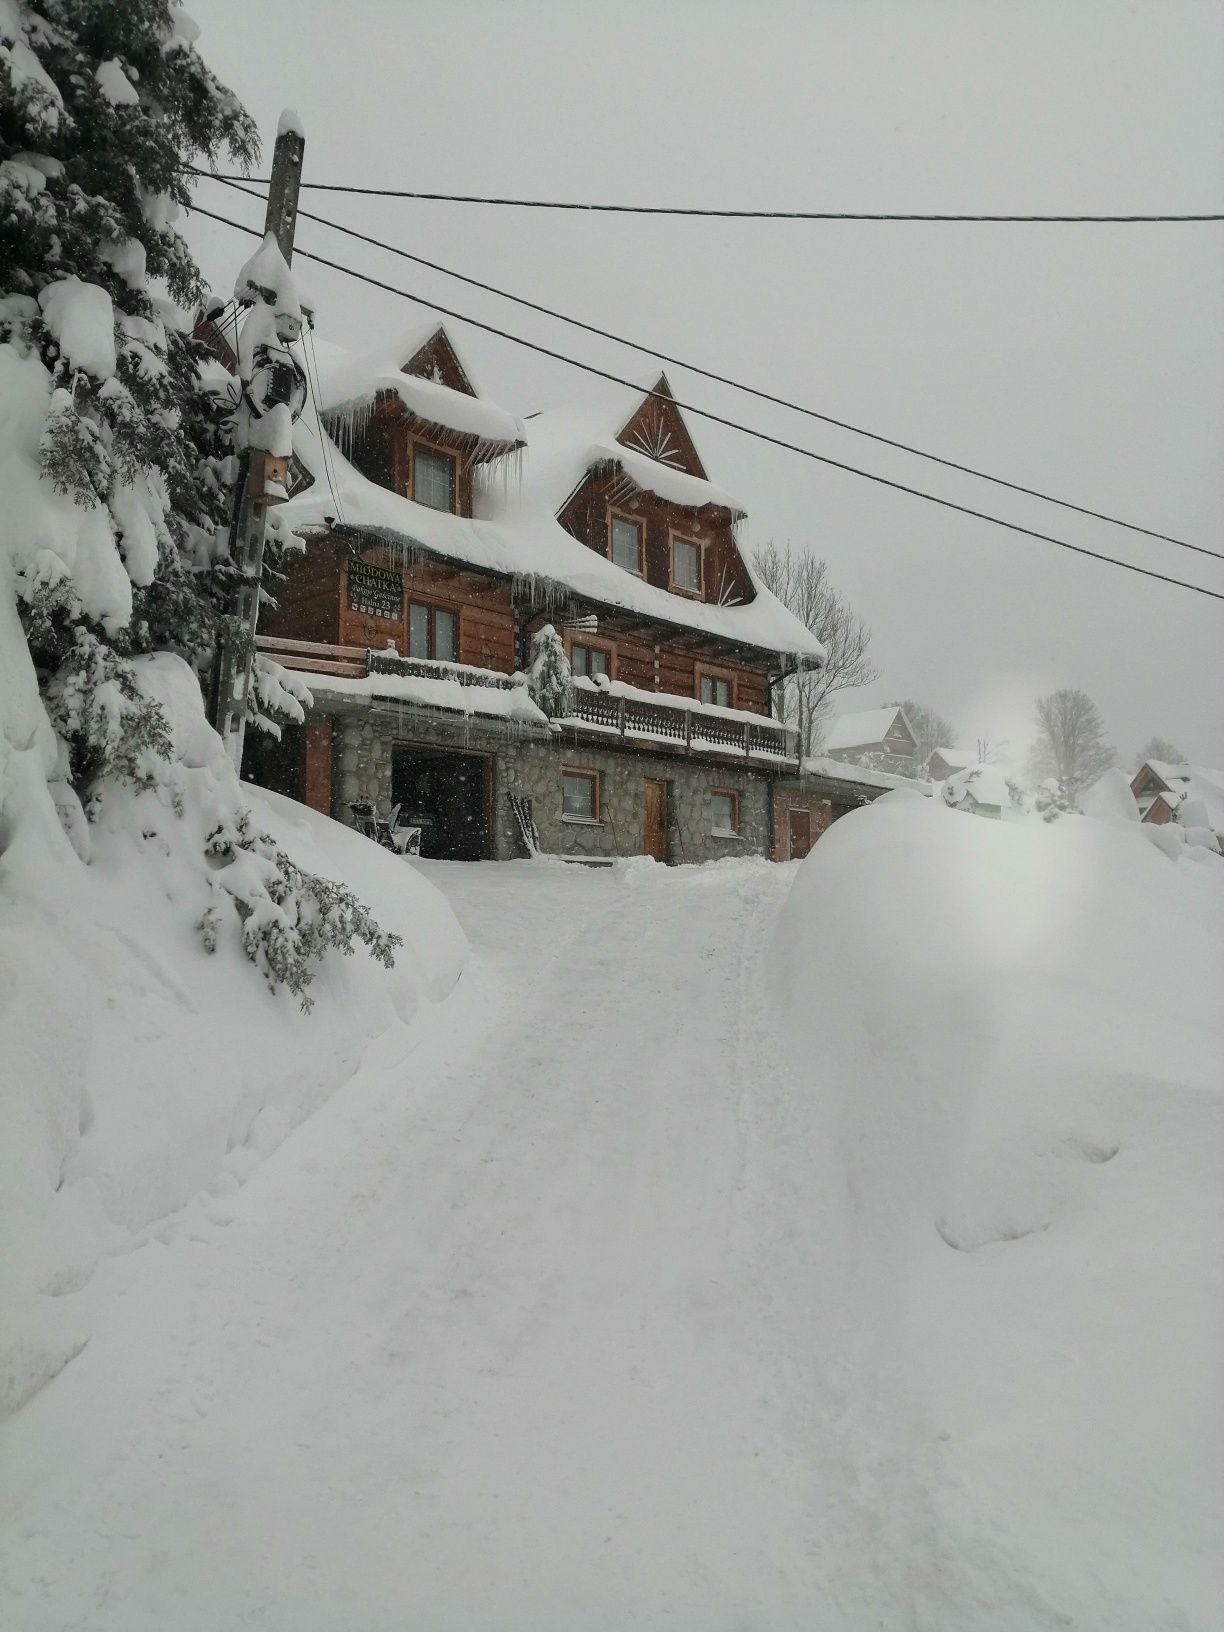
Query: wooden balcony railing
(672, 721)
(692, 728)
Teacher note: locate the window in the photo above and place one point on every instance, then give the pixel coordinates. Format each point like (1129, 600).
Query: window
(724, 813)
(433, 478)
(590, 661)
(686, 566)
(716, 691)
(432, 632)
(627, 544)
(580, 796)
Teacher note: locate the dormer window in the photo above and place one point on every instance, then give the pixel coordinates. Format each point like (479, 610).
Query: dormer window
(433, 478)
(686, 566)
(626, 544)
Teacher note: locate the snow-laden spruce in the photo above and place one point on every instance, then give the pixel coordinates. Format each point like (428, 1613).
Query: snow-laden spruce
(117, 466)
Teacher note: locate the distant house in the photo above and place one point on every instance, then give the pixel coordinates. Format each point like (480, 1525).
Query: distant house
(981, 791)
(883, 733)
(945, 762)
(1189, 795)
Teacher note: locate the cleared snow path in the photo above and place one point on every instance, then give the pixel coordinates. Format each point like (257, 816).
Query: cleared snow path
(520, 1330)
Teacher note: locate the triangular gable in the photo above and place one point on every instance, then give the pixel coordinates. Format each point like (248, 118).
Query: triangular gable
(657, 429)
(438, 360)
(1147, 781)
(901, 715)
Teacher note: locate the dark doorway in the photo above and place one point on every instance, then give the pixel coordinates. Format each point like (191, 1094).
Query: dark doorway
(447, 796)
(799, 823)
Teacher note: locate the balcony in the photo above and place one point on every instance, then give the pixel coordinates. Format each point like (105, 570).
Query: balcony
(672, 723)
(679, 723)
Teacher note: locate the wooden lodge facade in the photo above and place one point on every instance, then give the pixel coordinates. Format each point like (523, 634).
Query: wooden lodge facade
(442, 535)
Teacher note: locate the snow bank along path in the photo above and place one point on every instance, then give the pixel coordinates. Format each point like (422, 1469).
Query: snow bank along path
(653, 1280)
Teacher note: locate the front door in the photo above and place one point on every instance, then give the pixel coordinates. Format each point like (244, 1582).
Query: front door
(799, 826)
(654, 835)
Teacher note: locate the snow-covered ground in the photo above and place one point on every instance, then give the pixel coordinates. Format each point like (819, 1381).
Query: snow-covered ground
(705, 1260)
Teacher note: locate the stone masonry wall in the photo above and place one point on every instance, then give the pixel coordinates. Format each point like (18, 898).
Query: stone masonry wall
(361, 771)
(533, 770)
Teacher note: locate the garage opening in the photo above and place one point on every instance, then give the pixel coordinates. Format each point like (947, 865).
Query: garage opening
(447, 796)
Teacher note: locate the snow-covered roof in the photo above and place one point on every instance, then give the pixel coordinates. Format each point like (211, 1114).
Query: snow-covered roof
(836, 770)
(958, 759)
(517, 535)
(353, 379)
(983, 784)
(1194, 785)
(566, 443)
(867, 726)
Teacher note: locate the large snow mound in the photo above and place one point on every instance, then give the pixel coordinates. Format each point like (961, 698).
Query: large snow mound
(140, 1077)
(1013, 1042)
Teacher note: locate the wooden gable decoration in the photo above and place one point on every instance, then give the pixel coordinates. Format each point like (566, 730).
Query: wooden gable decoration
(657, 429)
(1147, 781)
(438, 360)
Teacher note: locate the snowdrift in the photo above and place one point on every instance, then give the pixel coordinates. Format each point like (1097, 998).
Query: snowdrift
(140, 1076)
(1012, 1040)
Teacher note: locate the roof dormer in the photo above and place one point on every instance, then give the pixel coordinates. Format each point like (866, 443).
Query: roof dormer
(656, 429)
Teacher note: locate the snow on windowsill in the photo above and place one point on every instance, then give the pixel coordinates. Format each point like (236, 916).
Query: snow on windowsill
(725, 833)
(582, 821)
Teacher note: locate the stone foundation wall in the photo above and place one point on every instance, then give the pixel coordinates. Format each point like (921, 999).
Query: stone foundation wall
(362, 746)
(533, 770)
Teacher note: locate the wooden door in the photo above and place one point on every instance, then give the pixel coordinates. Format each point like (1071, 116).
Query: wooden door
(799, 828)
(654, 834)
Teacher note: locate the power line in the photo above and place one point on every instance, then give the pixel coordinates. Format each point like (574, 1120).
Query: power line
(748, 390)
(738, 215)
(730, 424)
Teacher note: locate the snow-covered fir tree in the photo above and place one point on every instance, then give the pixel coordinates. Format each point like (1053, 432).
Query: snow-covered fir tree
(117, 467)
(550, 679)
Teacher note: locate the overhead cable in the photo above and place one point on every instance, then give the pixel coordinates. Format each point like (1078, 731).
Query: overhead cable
(748, 390)
(720, 419)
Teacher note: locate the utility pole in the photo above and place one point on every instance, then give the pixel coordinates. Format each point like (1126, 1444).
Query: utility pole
(262, 474)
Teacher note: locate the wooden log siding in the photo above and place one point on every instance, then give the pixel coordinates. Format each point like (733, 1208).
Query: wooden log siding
(724, 574)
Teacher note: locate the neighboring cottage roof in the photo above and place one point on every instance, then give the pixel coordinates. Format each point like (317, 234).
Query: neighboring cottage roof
(516, 533)
(837, 770)
(957, 759)
(868, 726)
(1195, 793)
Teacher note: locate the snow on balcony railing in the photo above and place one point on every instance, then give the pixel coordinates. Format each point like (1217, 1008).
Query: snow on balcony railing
(680, 721)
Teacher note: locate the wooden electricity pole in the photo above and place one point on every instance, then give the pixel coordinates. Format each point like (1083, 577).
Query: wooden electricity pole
(236, 655)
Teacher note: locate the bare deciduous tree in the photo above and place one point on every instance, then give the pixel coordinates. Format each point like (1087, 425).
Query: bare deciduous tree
(930, 728)
(1160, 748)
(1071, 742)
(801, 583)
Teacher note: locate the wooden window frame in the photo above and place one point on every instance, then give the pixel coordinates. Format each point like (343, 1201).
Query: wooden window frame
(592, 644)
(634, 521)
(703, 671)
(448, 454)
(586, 775)
(433, 608)
(674, 537)
(733, 795)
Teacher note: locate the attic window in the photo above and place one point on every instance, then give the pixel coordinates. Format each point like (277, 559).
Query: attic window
(433, 478)
(627, 544)
(686, 566)
(589, 661)
(716, 691)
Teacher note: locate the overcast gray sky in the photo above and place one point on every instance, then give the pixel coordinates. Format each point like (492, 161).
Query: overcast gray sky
(1087, 361)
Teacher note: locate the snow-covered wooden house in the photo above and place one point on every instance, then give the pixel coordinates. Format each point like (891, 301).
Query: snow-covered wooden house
(876, 735)
(442, 535)
(1190, 795)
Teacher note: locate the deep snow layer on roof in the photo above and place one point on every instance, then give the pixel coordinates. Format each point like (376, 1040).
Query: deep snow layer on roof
(1196, 786)
(522, 538)
(857, 730)
(351, 378)
(836, 770)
